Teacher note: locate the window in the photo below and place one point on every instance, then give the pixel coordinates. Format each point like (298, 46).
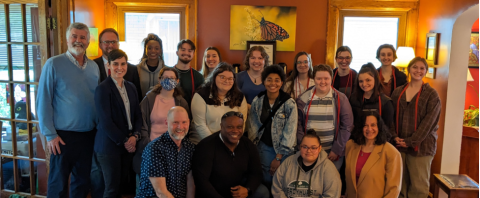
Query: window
(139, 25)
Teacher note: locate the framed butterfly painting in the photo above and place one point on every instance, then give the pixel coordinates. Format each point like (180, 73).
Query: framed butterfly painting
(263, 23)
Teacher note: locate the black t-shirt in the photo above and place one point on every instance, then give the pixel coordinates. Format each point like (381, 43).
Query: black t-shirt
(267, 132)
(307, 168)
(152, 68)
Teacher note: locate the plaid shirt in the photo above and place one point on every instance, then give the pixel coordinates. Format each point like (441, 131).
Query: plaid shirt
(423, 140)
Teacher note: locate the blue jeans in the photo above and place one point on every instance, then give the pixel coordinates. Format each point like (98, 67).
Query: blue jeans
(267, 155)
(338, 163)
(75, 159)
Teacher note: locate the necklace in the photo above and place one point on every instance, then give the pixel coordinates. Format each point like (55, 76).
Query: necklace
(182, 71)
(254, 78)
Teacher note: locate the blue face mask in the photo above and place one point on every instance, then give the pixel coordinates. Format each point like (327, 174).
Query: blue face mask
(168, 83)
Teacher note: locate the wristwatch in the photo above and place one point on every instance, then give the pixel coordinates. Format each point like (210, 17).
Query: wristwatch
(278, 159)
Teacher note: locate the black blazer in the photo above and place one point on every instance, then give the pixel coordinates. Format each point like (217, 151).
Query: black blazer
(131, 75)
(112, 128)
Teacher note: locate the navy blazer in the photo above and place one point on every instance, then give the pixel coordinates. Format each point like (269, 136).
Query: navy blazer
(112, 128)
(131, 75)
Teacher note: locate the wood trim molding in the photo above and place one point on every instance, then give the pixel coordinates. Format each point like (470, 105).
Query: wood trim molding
(409, 8)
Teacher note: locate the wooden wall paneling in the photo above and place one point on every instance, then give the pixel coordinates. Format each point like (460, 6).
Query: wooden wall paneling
(469, 153)
(332, 32)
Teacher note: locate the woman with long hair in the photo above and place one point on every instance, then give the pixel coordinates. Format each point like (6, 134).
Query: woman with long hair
(418, 108)
(301, 78)
(151, 63)
(373, 165)
(217, 96)
(211, 58)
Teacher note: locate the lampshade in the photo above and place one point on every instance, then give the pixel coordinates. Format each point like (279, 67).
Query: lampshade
(404, 56)
(469, 76)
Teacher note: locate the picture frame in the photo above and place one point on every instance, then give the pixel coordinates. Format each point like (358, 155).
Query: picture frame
(473, 54)
(431, 73)
(270, 47)
(431, 48)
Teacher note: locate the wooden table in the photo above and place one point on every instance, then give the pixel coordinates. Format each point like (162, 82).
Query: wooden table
(456, 186)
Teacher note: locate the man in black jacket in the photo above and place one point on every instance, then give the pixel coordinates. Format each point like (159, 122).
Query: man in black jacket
(109, 41)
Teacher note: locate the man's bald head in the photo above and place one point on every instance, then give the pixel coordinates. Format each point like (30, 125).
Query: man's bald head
(178, 122)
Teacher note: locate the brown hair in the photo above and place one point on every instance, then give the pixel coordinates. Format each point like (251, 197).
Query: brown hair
(389, 46)
(343, 49)
(158, 88)
(369, 69)
(294, 73)
(249, 54)
(413, 61)
(205, 69)
(105, 31)
(234, 95)
(322, 67)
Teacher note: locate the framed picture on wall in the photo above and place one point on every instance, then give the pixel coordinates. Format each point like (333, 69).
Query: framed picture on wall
(473, 53)
(269, 46)
(431, 52)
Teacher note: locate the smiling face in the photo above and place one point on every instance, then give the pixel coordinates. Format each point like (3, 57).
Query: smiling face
(185, 53)
(273, 83)
(370, 129)
(303, 64)
(118, 67)
(309, 149)
(224, 81)
(108, 37)
(212, 59)
(178, 124)
(386, 56)
(256, 61)
(77, 42)
(417, 71)
(323, 81)
(232, 129)
(366, 82)
(344, 59)
(153, 50)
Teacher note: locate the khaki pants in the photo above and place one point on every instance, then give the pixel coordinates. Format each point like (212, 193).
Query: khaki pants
(416, 176)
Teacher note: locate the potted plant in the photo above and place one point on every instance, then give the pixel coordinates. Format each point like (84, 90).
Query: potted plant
(470, 116)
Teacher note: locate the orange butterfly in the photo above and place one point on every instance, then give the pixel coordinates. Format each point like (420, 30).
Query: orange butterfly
(272, 31)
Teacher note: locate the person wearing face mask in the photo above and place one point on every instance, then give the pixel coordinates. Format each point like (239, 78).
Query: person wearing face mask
(390, 76)
(328, 112)
(217, 96)
(118, 129)
(165, 95)
(151, 63)
(301, 78)
(273, 121)
(367, 97)
(374, 166)
(418, 109)
(343, 75)
(308, 173)
(211, 58)
(250, 80)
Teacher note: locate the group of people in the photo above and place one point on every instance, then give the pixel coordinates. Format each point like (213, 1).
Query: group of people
(177, 132)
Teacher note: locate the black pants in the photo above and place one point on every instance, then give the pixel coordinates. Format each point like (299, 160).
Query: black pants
(112, 175)
(75, 159)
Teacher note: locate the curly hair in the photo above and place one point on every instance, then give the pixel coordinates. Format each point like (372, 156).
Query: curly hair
(250, 51)
(234, 95)
(158, 88)
(294, 74)
(152, 37)
(382, 136)
(368, 68)
(273, 69)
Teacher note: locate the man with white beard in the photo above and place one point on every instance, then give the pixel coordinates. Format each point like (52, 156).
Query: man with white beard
(166, 161)
(67, 115)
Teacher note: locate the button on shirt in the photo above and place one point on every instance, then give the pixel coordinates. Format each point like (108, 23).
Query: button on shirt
(161, 158)
(123, 92)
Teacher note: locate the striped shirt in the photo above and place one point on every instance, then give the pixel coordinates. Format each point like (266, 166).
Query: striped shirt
(321, 118)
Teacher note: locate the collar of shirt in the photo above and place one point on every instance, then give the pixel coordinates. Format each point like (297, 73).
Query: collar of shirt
(116, 84)
(105, 62)
(170, 141)
(329, 95)
(74, 61)
(224, 100)
(220, 134)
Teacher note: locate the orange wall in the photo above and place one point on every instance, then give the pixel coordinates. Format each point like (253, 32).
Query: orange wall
(91, 12)
(214, 29)
(439, 16)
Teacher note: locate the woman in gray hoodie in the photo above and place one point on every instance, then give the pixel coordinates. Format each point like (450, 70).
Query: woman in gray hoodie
(308, 173)
(151, 63)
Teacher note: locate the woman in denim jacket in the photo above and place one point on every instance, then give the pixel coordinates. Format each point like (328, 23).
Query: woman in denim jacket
(273, 122)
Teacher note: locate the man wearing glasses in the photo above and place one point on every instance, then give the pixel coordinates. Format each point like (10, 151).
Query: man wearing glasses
(227, 164)
(109, 41)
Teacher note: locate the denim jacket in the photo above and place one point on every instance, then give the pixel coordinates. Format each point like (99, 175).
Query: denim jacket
(284, 124)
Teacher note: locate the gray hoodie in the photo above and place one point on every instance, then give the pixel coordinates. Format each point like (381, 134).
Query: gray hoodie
(291, 181)
(148, 79)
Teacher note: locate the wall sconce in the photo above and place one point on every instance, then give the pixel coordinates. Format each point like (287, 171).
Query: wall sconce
(404, 56)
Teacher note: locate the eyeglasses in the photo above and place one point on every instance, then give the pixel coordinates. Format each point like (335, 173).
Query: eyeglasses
(300, 62)
(224, 78)
(313, 148)
(110, 42)
(344, 58)
(163, 78)
(232, 113)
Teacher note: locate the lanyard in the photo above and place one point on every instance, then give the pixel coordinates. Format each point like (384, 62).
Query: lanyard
(298, 87)
(350, 76)
(394, 79)
(193, 83)
(379, 104)
(416, 108)
(338, 111)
